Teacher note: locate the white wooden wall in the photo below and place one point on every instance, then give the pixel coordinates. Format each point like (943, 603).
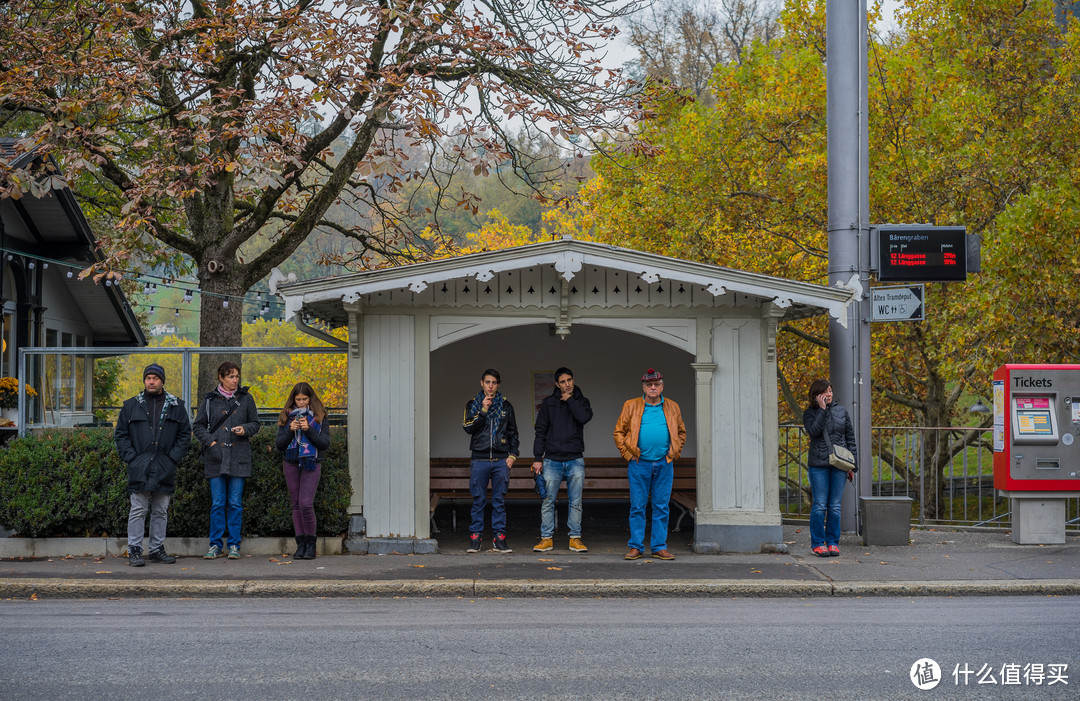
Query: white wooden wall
(389, 425)
(737, 415)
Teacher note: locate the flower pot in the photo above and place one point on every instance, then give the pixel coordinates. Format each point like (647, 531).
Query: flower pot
(11, 414)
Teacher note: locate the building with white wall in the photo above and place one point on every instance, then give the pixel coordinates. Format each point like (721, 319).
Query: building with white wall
(420, 335)
(45, 242)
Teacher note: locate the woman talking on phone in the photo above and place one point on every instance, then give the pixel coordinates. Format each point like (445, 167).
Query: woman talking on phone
(224, 424)
(827, 424)
(302, 435)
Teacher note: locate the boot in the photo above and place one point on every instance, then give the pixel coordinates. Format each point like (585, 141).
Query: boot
(309, 553)
(135, 558)
(301, 547)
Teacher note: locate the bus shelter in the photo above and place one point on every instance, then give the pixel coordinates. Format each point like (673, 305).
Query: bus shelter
(419, 337)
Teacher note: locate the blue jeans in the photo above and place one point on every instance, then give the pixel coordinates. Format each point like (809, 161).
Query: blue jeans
(480, 473)
(226, 508)
(555, 471)
(826, 488)
(650, 482)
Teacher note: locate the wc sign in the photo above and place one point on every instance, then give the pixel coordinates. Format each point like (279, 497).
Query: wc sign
(900, 303)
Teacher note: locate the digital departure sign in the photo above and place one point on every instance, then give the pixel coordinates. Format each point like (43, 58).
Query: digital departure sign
(922, 253)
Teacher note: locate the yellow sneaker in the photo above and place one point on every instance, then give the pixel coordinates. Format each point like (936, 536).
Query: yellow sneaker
(577, 546)
(544, 545)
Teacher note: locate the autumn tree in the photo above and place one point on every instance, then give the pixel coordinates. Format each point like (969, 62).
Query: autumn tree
(679, 43)
(211, 123)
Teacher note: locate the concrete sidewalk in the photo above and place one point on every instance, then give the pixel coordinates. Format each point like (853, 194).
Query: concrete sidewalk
(936, 563)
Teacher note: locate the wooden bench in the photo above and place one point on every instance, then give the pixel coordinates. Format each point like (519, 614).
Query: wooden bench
(605, 478)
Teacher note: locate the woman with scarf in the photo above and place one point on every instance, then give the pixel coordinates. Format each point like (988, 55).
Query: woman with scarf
(226, 421)
(301, 435)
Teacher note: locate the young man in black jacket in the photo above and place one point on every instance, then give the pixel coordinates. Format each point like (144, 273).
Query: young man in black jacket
(489, 419)
(559, 453)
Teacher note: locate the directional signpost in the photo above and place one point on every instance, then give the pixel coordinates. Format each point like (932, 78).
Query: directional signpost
(901, 303)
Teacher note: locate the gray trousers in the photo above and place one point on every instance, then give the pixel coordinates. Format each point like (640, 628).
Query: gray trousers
(158, 504)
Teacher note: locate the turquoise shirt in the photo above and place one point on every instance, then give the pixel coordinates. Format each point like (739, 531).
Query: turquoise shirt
(653, 438)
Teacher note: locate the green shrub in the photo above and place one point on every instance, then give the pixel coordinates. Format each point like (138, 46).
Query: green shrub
(72, 483)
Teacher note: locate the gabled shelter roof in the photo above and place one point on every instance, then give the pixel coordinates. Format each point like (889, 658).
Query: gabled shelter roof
(57, 229)
(566, 271)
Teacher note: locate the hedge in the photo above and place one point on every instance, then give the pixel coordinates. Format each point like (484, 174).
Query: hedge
(72, 483)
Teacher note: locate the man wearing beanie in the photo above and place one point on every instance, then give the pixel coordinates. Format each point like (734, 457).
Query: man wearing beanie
(650, 434)
(153, 433)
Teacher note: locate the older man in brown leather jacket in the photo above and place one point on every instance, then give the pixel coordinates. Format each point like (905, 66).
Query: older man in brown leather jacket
(650, 434)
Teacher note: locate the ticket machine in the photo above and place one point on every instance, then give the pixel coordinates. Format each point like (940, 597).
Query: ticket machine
(1037, 446)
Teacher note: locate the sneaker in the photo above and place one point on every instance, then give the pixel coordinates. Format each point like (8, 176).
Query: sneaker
(834, 551)
(474, 543)
(544, 545)
(234, 552)
(135, 558)
(499, 544)
(577, 546)
(822, 551)
(159, 555)
(213, 553)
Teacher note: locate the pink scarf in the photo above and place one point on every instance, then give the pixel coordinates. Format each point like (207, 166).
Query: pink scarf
(221, 390)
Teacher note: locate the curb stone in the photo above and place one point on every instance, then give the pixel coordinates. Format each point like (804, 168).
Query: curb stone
(22, 588)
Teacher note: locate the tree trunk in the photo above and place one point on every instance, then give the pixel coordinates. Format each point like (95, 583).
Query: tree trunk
(221, 316)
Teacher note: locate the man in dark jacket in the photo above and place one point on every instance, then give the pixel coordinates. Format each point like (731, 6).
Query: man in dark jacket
(559, 453)
(489, 419)
(152, 435)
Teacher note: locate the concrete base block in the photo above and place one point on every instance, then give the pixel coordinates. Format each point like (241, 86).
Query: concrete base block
(711, 538)
(357, 526)
(426, 546)
(885, 520)
(356, 546)
(392, 546)
(1038, 521)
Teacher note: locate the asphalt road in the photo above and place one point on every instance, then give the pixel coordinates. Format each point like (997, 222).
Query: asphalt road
(538, 648)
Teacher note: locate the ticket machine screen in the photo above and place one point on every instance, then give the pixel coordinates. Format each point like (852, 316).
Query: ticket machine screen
(1033, 416)
(1034, 420)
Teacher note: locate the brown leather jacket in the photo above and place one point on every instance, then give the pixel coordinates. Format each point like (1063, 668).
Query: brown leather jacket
(629, 424)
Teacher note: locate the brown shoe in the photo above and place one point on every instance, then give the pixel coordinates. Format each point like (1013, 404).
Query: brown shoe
(632, 555)
(663, 555)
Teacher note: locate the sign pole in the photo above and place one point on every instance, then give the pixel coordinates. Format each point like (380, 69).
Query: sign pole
(849, 229)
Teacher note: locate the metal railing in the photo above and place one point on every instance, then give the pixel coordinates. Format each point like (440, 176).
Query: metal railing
(30, 420)
(947, 472)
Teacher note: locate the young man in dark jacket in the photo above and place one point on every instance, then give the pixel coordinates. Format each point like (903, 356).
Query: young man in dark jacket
(559, 453)
(489, 419)
(152, 435)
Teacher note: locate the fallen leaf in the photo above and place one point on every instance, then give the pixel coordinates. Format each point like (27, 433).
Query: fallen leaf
(103, 572)
(546, 559)
(555, 568)
(419, 565)
(33, 597)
